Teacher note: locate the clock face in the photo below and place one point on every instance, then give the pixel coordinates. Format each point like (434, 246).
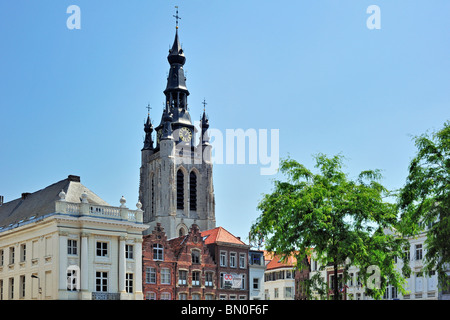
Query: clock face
(185, 134)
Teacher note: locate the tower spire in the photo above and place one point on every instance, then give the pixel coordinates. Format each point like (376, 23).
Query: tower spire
(148, 128)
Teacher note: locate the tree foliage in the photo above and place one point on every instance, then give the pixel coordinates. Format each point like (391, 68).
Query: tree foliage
(425, 198)
(341, 219)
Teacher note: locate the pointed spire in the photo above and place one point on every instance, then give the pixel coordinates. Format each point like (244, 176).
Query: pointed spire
(148, 128)
(204, 125)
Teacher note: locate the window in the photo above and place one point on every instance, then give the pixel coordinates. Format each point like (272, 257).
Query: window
(128, 251)
(2, 257)
(195, 256)
(243, 282)
(180, 189)
(407, 254)
(150, 275)
(23, 252)
(11, 288)
(182, 277)
(72, 279)
(102, 249)
(209, 297)
(158, 252)
(223, 297)
(195, 296)
(193, 191)
(255, 283)
(276, 293)
(288, 292)
(255, 259)
(152, 179)
(129, 283)
(182, 296)
(233, 259)
(418, 252)
(101, 281)
(22, 286)
(165, 296)
(223, 258)
(72, 247)
(11, 255)
(165, 276)
(242, 260)
(195, 278)
(393, 292)
(150, 296)
(208, 279)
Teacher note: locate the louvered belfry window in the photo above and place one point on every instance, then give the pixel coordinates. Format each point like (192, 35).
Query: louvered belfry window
(193, 191)
(180, 190)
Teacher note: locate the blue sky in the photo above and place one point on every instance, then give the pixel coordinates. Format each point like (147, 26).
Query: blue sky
(73, 101)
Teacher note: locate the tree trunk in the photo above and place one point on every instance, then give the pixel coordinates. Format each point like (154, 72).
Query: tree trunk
(335, 280)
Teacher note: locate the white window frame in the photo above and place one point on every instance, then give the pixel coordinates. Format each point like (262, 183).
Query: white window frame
(103, 249)
(165, 276)
(129, 282)
(129, 251)
(223, 258)
(242, 262)
(233, 260)
(72, 247)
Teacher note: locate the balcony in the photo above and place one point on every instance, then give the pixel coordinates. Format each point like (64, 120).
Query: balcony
(108, 212)
(105, 296)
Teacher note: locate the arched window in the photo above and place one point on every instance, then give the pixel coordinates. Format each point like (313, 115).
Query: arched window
(193, 191)
(180, 189)
(152, 179)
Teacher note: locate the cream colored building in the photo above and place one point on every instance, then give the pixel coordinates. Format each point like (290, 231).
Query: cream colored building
(64, 242)
(419, 286)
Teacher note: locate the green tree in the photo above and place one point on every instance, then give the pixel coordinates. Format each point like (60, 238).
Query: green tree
(425, 198)
(340, 219)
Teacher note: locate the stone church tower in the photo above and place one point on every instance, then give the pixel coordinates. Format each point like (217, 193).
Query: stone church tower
(176, 183)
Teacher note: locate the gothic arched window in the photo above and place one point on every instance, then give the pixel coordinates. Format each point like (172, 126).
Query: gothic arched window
(193, 191)
(180, 189)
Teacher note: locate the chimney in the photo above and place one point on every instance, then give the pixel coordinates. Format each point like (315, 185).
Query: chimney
(1, 200)
(25, 195)
(74, 178)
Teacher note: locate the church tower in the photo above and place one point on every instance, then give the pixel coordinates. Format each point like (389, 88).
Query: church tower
(176, 183)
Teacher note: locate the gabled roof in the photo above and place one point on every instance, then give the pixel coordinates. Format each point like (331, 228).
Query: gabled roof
(219, 234)
(277, 263)
(42, 202)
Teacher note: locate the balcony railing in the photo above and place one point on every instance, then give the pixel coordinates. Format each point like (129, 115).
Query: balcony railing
(86, 209)
(105, 296)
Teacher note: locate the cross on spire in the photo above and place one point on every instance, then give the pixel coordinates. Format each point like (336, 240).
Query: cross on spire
(204, 104)
(148, 108)
(177, 17)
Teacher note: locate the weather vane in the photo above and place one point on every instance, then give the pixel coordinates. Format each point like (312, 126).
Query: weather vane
(177, 17)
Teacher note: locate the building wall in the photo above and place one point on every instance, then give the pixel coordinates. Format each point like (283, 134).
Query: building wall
(256, 271)
(225, 268)
(47, 256)
(279, 288)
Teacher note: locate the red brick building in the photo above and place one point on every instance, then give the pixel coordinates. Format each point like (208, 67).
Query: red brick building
(196, 271)
(208, 265)
(158, 266)
(231, 257)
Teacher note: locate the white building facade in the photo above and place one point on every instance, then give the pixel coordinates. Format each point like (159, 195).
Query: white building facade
(256, 269)
(419, 286)
(69, 244)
